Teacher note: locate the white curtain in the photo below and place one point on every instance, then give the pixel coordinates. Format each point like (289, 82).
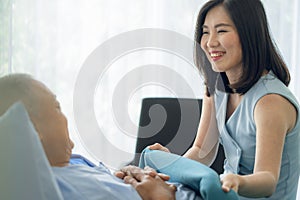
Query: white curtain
(53, 40)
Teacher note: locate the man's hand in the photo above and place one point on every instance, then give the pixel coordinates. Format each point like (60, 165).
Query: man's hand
(148, 183)
(130, 170)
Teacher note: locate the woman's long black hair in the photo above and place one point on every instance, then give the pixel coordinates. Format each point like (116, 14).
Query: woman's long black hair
(259, 51)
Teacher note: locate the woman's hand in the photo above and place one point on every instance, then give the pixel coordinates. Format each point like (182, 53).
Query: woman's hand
(158, 146)
(230, 181)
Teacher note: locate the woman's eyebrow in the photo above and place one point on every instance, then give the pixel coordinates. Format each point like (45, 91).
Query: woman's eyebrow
(222, 24)
(217, 25)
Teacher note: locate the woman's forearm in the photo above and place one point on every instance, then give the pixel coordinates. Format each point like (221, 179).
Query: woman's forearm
(206, 158)
(260, 184)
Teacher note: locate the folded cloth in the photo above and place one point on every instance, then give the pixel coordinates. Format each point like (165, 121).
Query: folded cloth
(188, 172)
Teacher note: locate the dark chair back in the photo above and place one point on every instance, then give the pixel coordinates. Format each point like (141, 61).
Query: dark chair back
(172, 122)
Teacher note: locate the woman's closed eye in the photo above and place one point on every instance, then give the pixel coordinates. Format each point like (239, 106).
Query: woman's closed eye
(205, 32)
(222, 31)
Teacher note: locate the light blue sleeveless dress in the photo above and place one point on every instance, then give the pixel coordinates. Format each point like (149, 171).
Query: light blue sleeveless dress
(238, 136)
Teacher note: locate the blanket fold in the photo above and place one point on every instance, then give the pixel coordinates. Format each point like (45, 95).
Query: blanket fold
(191, 173)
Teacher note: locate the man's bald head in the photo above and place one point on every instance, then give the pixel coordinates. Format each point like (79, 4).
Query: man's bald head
(44, 111)
(17, 87)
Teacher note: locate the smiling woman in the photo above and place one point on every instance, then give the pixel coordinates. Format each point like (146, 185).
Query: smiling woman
(246, 78)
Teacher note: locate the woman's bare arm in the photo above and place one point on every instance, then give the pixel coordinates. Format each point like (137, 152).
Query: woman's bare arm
(206, 143)
(274, 117)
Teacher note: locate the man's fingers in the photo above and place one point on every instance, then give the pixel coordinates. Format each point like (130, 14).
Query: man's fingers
(164, 176)
(150, 171)
(119, 174)
(147, 168)
(139, 173)
(130, 169)
(131, 181)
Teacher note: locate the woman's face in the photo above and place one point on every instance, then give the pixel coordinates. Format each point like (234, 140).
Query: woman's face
(221, 43)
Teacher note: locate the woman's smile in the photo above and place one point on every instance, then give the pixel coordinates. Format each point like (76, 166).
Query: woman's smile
(216, 55)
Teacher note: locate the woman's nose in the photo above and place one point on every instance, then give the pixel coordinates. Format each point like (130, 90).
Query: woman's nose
(212, 41)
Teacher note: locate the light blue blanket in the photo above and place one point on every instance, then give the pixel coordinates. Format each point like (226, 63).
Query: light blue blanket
(188, 172)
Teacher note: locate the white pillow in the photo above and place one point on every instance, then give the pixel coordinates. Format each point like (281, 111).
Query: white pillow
(24, 169)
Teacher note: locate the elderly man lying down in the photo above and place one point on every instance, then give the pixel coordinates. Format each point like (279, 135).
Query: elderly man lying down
(80, 181)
